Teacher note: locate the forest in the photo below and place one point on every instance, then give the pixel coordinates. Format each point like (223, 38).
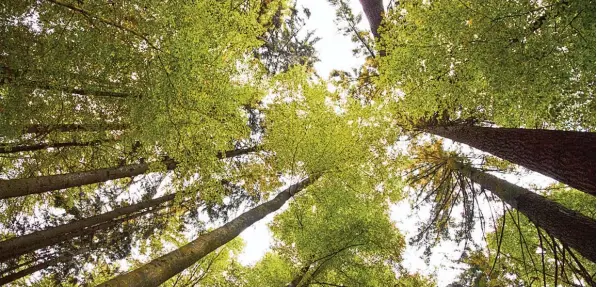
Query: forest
(140, 138)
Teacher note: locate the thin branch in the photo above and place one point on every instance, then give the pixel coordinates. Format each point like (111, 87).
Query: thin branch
(103, 20)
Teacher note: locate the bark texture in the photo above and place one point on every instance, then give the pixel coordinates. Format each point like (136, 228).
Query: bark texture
(163, 268)
(7, 148)
(23, 244)
(373, 10)
(570, 227)
(566, 156)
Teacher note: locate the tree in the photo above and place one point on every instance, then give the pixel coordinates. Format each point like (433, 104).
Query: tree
(25, 186)
(30, 270)
(523, 64)
(219, 268)
(566, 156)
(534, 149)
(327, 238)
(163, 268)
(30, 242)
(437, 167)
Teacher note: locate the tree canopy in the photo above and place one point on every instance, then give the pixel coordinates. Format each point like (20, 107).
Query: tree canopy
(138, 139)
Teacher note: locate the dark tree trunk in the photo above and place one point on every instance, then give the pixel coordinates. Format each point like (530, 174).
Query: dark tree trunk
(161, 269)
(570, 227)
(44, 129)
(83, 92)
(34, 185)
(41, 266)
(374, 11)
(7, 148)
(566, 156)
(23, 244)
(236, 152)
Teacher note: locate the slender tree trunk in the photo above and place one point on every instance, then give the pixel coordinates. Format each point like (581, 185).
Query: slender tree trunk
(44, 129)
(34, 185)
(373, 10)
(82, 92)
(20, 245)
(161, 269)
(41, 266)
(565, 156)
(570, 227)
(7, 148)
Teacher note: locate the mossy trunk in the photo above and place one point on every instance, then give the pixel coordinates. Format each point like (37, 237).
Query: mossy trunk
(20, 245)
(161, 269)
(570, 227)
(566, 156)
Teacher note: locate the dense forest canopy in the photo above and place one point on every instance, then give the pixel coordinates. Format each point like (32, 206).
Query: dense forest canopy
(138, 139)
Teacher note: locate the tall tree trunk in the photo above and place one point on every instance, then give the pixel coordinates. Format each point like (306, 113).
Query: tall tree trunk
(161, 269)
(373, 10)
(41, 266)
(565, 156)
(7, 148)
(20, 245)
(34, 185)
(570, 227)
(44, 129)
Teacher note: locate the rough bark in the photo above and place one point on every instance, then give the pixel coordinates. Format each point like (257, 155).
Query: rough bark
(7, 148)
(23, 244)
(44, 129)
(41, 266)
(566, 156)
(35, 185)
(163, 268)
(373, 10)
(570, 227)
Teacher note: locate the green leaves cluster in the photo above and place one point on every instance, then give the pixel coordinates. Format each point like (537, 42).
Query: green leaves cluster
(517, 63)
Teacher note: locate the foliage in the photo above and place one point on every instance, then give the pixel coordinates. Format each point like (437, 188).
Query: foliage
(517, 63)
(340, 233)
